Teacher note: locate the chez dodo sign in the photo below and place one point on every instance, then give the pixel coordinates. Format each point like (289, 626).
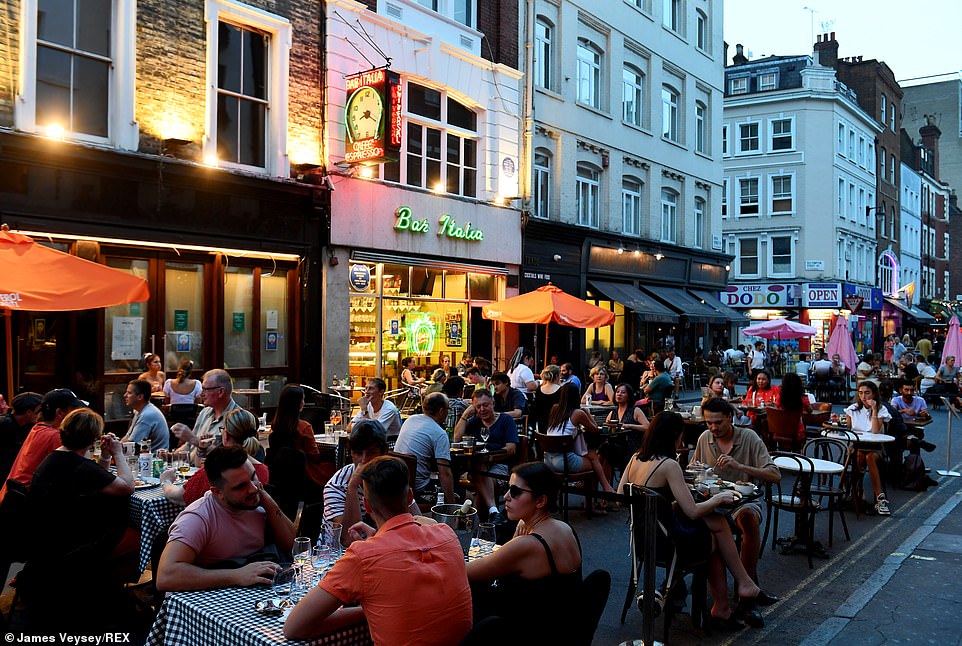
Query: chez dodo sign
(447, 226)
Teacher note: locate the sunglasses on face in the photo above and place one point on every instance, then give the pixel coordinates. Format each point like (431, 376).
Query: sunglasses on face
(515, 491)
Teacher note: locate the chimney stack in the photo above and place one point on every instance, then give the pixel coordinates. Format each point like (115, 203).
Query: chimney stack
(930, 134)
(826, 49)
(739, 57)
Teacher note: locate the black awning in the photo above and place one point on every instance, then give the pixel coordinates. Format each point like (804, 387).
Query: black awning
(914, 312)
(684, 303)
(735, 316)
(644, 306)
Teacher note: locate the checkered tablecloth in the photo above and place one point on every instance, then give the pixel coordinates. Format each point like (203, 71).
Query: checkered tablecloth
(227, 618)
(150, 513)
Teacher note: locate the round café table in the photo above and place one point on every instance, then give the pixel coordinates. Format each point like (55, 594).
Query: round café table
(802, 530)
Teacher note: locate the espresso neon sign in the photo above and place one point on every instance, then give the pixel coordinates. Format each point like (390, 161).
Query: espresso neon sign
(372, 117)
(448, 227)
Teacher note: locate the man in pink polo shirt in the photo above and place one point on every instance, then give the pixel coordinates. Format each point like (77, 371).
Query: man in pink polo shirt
(409, 578)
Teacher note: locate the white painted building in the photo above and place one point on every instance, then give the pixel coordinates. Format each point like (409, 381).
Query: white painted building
(910, 258)
(799, 174)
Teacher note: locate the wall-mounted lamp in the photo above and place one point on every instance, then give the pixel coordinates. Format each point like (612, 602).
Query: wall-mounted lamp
(556, 257)
(659, 256)
(621, 249)
(728, 267)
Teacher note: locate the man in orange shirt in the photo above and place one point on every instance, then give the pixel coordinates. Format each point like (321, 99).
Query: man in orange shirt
(44, 437)
(409, 578)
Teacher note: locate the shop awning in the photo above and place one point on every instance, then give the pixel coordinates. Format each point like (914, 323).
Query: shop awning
(645, 307)
(913, 312)
(733, 315)
(684, 303)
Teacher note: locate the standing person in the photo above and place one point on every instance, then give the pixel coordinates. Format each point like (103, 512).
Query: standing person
(888, 350)
(521, 375)
(546, 396)
(867, 415)
(898, 349)
(44, 437)
(15, 425)
(423, 437)
(153, 373)
(502, 434)
(183, 394)
(599, 392)
(288, 430)
(372, 405)
(409, 578)
(655, 466)
(631, 374)
(738, 454)
(216, 390)
(148, 423)
(567, 418)
(535, 573)
(757, 359)
(924, 346)
(568, 375)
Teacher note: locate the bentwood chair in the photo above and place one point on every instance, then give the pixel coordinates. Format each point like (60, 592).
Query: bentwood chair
(565, 444)
(795, 498)
(833, 489)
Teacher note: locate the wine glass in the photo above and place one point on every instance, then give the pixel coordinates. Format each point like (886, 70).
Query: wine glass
(301, 550)
(485, 434)
(487, 537)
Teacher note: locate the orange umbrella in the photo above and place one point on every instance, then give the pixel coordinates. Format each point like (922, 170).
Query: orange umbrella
(547, 304)
(35, 277)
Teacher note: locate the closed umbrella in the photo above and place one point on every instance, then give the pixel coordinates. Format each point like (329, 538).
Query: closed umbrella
(38, 278)
(840, 343)
(545, 305)
(953, 341)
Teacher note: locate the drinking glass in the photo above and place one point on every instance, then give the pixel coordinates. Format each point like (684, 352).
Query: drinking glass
(485, 434)
(331, 537)
(301, 550)
(336, 418)
(284, 581)
(487, 537)
(321, 558)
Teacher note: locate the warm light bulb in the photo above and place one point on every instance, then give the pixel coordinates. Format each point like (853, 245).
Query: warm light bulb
(210, 159)
(621, 250)
(439, 188)
(366, 172)
(659, 256)
(54, 131)
(728, 267)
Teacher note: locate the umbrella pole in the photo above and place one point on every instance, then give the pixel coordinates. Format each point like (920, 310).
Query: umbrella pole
(545, 346)
(8, 329)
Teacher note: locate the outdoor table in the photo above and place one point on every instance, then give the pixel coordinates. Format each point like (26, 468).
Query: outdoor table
(227, 616)
(151, 513)
(251, 393)
(802, 530)
(334, 447)
(844, 433)
(599, 413)
(918, 423)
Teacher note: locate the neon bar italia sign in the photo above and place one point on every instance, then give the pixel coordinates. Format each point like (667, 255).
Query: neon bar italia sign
(448, 227)
(372, 117)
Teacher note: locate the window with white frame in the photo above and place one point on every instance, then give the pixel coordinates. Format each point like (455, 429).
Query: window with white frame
(702, 36)
(886, 270)
(767, 81)
(631, 206)
(783, 134)
(738, 85)
(78, 70)
(589, 73)
(882, 161)
(725, 140)
(748, 196)
(463, 12)
(892, 161)
(862, 215)
(782, 261)
(248, 54)
(892, 116)
(669, 215)
(672, 15)
(852, 214)
(632, 95)
(440, 151)
(543, 58)
(669, 113)
(700, 112)
(747, 257)
(883, 106)
(861, 150)
(748, 140)
(783, 194)
(724, 199)
(840, 143)
(851, 144)
(698, 222)
(542, 183)
(587, 189)
(945, 247)
(840, 195)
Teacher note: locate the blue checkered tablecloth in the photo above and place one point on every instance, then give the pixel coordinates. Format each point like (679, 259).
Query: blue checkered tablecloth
(150, 513)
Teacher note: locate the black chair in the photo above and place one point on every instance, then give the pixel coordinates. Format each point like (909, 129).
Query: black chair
(288, 479)
(834, 489)
(798, 500)
(593, 598)
(667, 556)
(565, 444)
(14, 540)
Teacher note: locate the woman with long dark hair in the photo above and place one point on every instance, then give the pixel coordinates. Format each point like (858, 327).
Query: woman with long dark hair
(655, 466)
(567, 418)
(792, 397)
(290, 431)
(868, 415)
(153, 372)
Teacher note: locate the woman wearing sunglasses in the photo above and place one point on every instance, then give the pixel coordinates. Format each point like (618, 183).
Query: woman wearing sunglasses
(538, 571)
(655, 467)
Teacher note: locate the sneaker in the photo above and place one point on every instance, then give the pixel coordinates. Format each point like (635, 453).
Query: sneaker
(882, 506)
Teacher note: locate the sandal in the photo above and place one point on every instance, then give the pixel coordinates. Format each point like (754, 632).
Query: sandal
(730, 624)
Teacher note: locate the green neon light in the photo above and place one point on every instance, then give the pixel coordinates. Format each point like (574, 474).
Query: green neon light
(421, 334)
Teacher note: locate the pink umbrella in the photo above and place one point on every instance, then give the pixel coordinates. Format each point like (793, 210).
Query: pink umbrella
(840, 343)
(953, 341)
(779, 329)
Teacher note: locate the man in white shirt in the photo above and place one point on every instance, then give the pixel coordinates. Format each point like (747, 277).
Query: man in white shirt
(521, 375)
(374, 406)
(673, 365)
(803, 368)
(758, 358)
(823, 366)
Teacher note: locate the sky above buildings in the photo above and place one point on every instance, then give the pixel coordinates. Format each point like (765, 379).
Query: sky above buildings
(914, 38)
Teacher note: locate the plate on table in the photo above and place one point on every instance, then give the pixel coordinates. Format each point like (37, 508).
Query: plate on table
(145, 483)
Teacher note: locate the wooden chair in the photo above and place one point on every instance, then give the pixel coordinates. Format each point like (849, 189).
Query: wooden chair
(783, 428)
(566, 444)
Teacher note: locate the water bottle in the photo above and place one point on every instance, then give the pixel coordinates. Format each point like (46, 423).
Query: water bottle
(145, 461)
(440, 497)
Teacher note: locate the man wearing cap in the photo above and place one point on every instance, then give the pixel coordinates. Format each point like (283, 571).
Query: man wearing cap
(14, 427)
(216, 390)
(44, 437)
(148, 422)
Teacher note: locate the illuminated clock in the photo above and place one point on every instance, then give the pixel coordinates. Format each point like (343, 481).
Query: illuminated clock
(365, 114)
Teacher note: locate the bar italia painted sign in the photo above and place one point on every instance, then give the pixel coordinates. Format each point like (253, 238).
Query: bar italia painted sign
(447, 226)
(372, 117)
